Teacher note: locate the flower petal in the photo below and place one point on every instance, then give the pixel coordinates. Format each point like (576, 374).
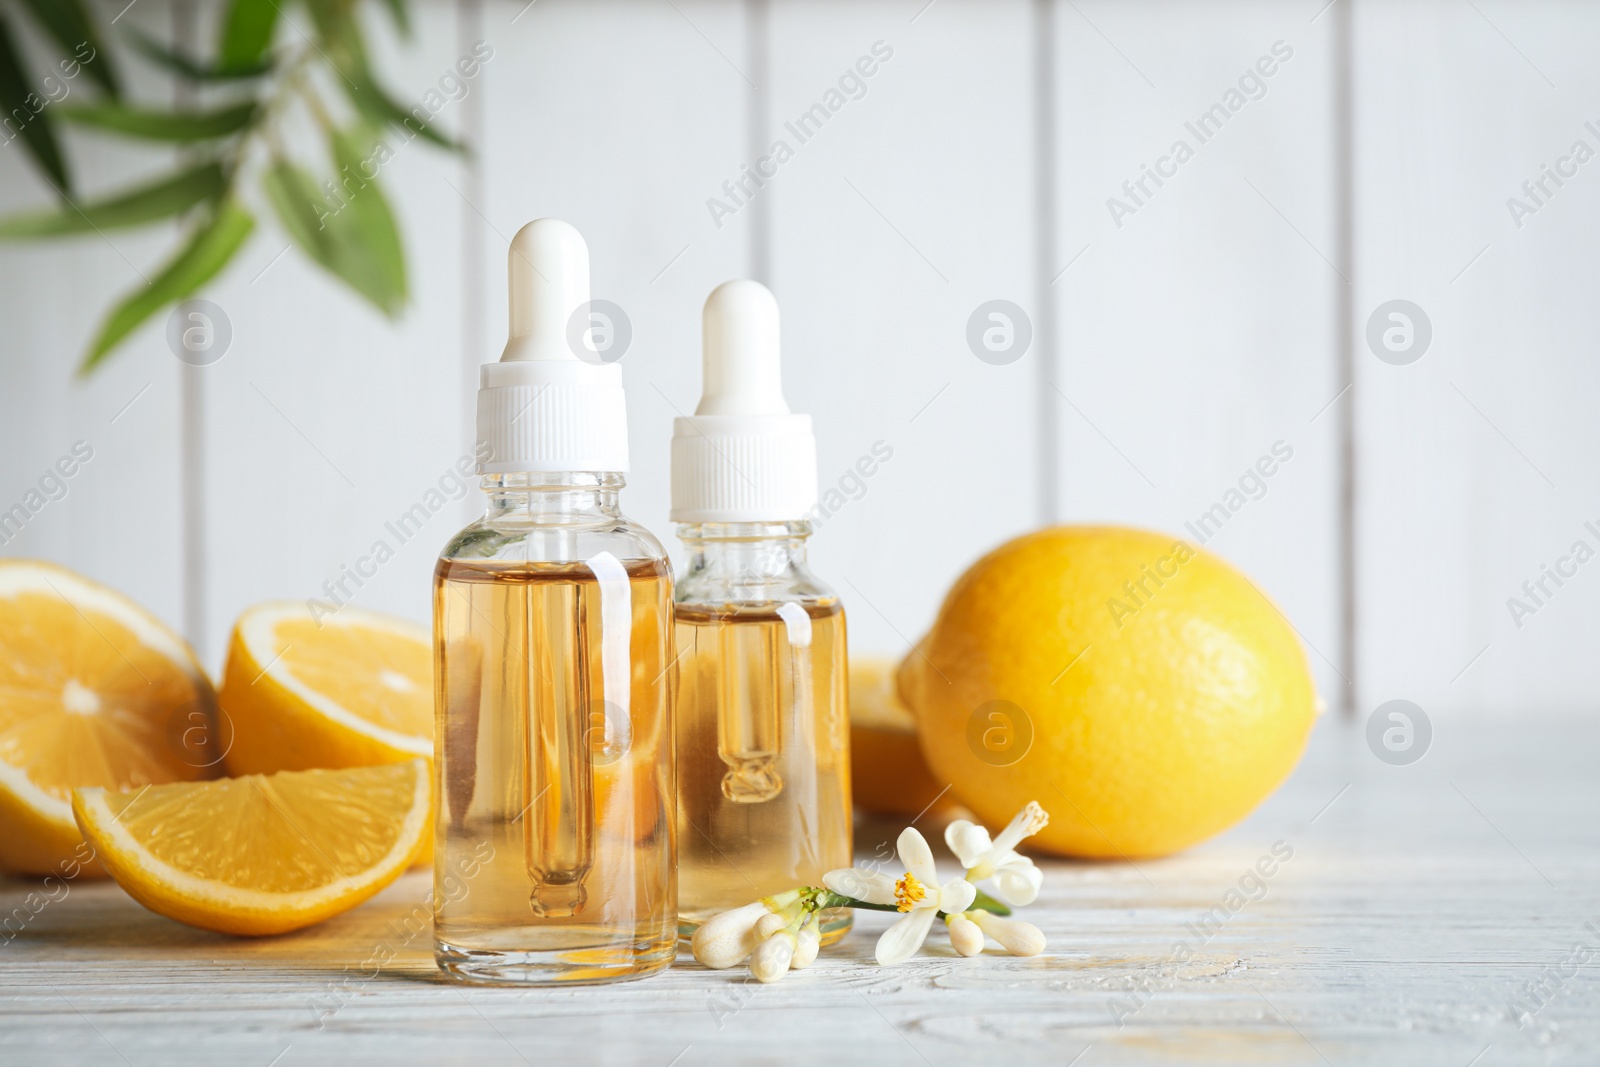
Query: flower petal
(1027, 822)
(967, 840)
(956, 896)
(874, 887)
(1017, 881)
(904, 937)
(917, 856)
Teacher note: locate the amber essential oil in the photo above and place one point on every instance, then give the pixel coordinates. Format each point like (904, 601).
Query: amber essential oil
(764, 766)
(564, 790)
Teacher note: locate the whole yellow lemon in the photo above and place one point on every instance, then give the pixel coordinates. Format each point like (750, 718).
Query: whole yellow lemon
(1141, 689)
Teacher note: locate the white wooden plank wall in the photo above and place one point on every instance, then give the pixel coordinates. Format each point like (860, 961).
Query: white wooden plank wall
(1199, 334)
(1477, 462)
(909, 208)
(1187, 341)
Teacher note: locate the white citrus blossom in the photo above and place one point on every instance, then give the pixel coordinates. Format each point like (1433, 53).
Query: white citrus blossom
(918, 895)
(1016, 879)
(1017, 937)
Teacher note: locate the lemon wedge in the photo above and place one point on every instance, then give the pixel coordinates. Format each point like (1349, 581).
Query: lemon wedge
(261, 854)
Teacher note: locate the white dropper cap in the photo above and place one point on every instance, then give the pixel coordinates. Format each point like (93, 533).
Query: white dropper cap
(551, 404)
(742, 457)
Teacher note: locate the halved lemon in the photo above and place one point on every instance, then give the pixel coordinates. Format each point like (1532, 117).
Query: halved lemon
(887, 772)
(304, 689)
(262, 854)
(94, 691)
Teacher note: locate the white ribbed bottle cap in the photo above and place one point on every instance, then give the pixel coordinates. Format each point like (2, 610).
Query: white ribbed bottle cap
(742, 457)
(552, 403)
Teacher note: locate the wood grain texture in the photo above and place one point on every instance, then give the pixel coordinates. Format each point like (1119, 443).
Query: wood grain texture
(1417, 903)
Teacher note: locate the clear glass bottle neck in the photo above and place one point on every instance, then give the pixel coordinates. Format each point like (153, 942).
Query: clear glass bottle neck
(736, 538)
(555, 497)
(743, 560)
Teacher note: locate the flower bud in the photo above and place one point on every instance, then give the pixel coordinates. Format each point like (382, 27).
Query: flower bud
(773, 957)
(770, 924)
(807, 942)
(965, 937)
(728, 939)
(1018, 938)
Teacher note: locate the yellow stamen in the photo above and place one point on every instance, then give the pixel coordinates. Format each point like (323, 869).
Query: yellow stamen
(908, 891)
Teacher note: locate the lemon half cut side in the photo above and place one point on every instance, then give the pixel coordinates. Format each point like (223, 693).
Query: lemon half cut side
(94, 691)
(261, 854)
(304, 689)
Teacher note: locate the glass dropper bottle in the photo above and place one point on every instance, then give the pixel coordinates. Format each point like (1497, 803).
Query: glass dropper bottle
(763, 734)
(554, 856)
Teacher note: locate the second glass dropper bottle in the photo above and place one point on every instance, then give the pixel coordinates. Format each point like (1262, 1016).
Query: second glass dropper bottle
(761, 722)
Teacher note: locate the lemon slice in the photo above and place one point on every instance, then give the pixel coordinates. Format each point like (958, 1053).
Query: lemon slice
(887, 772)
(350, 689)
(262, 854)
(94, 691)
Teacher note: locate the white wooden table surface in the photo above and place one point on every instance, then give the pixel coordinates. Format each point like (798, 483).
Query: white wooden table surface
(1419, 903)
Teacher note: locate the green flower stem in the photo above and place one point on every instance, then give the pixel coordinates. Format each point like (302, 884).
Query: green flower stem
(827, 898)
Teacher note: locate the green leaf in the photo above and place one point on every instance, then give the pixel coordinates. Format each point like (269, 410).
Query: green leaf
(182, 65)
(37, 123)
(984, 902)
(345, 51)
(351, 233)
(69, 24)
(336, 30)
(401, 16)
(366, 229)
(207, 252)
(155, 125)
(300, 208)
(158, 200)
(380, 109)
(247, 34)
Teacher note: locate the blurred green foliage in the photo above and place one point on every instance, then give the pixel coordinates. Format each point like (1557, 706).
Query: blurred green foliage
(259, 78)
